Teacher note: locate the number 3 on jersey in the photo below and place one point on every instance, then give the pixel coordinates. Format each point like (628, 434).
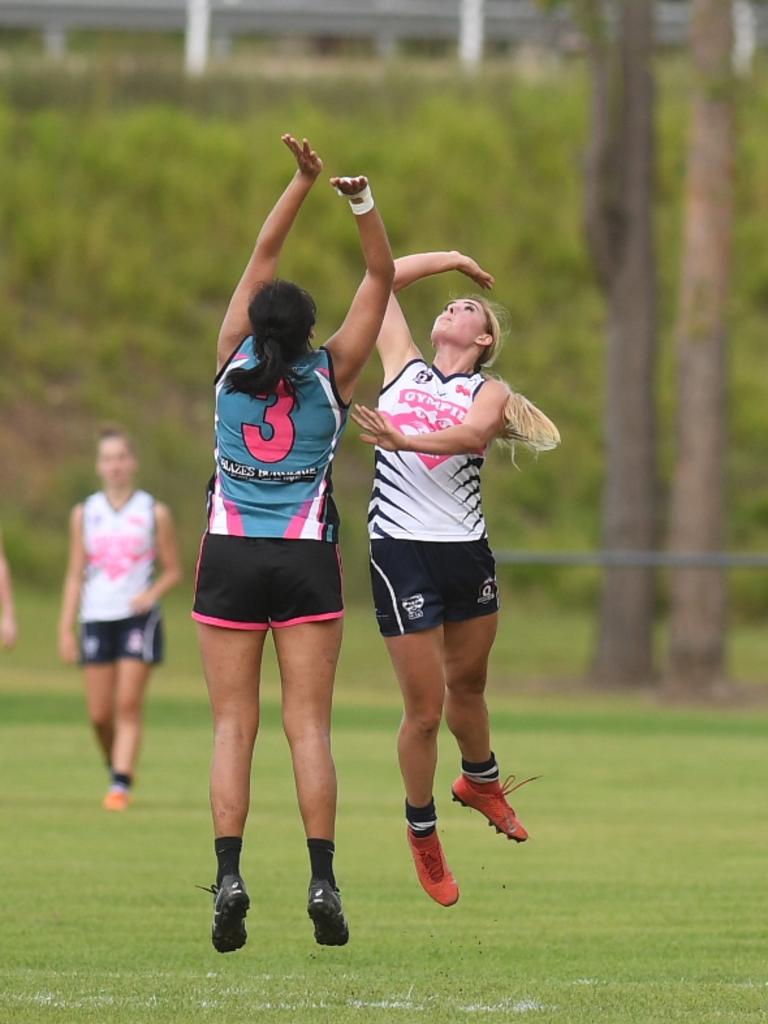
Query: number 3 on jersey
(273, 438)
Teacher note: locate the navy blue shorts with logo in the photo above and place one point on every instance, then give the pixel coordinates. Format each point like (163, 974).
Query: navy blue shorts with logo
(139, 637)
(420, 584)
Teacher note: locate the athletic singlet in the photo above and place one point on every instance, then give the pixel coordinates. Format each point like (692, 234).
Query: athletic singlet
(120, 555)
(427, 497)
(274, 454)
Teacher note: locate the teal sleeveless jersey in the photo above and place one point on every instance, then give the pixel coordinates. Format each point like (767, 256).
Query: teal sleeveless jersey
(274, 454)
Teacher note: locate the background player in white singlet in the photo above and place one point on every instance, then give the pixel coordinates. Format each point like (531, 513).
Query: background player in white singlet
(269, 559)
(116, 536)
(8, 631)
(433, 574)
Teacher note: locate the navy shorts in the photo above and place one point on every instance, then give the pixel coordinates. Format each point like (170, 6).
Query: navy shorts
(258, 582)
(139, 637)
(421, 584)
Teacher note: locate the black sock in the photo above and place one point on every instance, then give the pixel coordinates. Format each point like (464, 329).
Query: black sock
(422, 821)
(321, 853)
(228, 856)
(121, 779)
(481, 771)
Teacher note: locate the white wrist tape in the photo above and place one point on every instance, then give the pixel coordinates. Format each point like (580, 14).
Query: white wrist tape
(360, 203)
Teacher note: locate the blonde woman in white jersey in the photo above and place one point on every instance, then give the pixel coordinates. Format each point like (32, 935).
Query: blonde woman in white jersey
(116, 535)
(432, 571)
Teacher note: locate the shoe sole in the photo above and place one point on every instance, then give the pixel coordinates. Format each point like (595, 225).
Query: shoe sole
(229, 933)
(115, 808)
(432, 896)
(492, 824)
(440, 903)
(330, 926)
(428, 891)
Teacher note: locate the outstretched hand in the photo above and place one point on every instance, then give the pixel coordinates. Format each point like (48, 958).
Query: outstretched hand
(350, 186)
(310, 164)
(378, 429)
(474, 271)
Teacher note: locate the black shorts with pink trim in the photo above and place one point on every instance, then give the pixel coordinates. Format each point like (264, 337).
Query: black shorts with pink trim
(258, 582)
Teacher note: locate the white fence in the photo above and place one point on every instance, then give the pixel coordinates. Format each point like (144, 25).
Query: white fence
(471, 23)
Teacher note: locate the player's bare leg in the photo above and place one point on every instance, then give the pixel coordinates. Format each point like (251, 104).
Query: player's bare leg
(417, 659)
(418, 662)
(232, 664)
(100, 683)
(307, 655)
(131, 682)
(467, 647)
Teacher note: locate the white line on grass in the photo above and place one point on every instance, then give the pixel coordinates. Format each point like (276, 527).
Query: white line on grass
(385, 1004)
(506, 1006)
(521, 1006)
(80, 1003)
(197, 999)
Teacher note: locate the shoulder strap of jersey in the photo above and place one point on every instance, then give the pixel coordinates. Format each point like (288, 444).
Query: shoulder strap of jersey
(326, 367)
(235, 352)
(411, 363)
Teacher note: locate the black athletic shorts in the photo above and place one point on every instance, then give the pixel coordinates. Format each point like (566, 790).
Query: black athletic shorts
(139, 637)
(258, 582)
(421, 584)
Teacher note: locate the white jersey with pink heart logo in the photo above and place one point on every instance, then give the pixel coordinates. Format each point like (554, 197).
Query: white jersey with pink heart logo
(120, 555)
(427, 497)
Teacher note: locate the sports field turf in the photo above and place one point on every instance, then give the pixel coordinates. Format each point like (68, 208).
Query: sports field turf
(641, 897)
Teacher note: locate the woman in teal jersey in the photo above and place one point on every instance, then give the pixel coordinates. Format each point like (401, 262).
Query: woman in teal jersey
(269, 557)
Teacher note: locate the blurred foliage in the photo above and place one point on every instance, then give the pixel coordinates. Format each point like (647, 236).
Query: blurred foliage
(129, 203)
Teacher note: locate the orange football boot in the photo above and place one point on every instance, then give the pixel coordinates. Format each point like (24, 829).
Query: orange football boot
(116, 800)
(433, 873)
(490, 798)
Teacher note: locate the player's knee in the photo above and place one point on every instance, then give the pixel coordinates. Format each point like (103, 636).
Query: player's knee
(303, 733)
(235, 728)
(425, 723)
(468, 687)
(128, 713)
(101, 719)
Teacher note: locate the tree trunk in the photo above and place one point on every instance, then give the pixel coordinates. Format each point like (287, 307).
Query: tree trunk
(698, 617)
(620, 230)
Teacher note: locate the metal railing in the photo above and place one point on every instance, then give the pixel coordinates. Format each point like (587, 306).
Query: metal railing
(636, 559)
(470, 22)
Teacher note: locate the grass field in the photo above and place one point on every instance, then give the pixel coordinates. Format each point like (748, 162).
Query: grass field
(640, 898)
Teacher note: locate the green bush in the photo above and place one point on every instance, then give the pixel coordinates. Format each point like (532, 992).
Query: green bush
(129, 205)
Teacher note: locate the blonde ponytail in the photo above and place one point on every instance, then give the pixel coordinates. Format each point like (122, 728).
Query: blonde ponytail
(527, 425)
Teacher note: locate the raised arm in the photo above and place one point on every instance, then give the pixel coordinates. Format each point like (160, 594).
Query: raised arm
(395, 344)
(484, 422)
(353, 343)
(409, 269)
(497, 413)
(262, 266)
(73, 582)
(7, 609)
